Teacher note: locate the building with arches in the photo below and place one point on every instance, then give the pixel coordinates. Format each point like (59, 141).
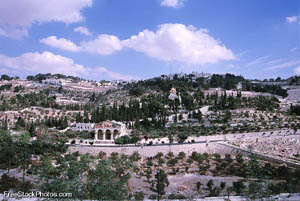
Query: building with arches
(108, 131)
(105, 132)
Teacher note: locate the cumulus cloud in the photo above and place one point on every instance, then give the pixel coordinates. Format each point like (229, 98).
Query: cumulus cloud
(172, 3)
(292, 19)
(48, 62)
(177, 42)
(61, 43)
(104, 44)
(83, 30)
(171, 42)
(17, 16)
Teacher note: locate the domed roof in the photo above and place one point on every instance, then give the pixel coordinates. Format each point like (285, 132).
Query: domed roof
(173, 91)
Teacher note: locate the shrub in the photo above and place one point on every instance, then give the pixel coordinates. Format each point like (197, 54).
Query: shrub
(161, 161)
(139, 196)
(238, 187)
(189, 160)
(153, 197)
(198, 185)
(159, 155)
(176, 197)
(170, 154)
(137, 91)
(228, 158)
(239, 158)
(214, 192)
(126, 140)
(222, 185)
(135, 156)
(7, 182)
(182, 137)
(181, 155)
(217, 157)
(149, 162)
(172, 162)
(210, 184)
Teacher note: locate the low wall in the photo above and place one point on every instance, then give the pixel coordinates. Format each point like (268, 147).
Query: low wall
(148, 151)
(272, 159)
(210, 148)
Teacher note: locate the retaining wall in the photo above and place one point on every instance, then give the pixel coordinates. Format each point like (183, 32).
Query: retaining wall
(272, 159)
(148, 151)
(210, 148)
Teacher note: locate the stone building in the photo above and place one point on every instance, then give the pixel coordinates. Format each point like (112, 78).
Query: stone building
(105, 132)
(108, 131)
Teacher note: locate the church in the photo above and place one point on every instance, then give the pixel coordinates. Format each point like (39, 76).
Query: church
(108, 131)
(105, 132)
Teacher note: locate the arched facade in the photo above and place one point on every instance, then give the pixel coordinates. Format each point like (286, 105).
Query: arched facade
(107, 134)
(108, 131)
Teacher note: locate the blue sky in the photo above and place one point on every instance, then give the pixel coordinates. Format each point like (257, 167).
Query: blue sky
(134, 39)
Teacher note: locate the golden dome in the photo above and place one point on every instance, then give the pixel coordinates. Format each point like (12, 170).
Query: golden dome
(173, 91)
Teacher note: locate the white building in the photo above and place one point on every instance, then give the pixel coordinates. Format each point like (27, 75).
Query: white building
(239, 86)
(105, 132)
(51, 82)
(82, 127)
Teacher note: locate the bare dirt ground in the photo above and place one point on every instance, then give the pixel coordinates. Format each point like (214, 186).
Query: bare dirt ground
(184, 184)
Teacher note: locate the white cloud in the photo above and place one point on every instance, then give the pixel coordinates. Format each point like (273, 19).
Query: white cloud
(177, 42)
(275, 61)
(172, 3)
(48, 62)
(257, 61)
(284, 65)
(110, 74)
(103, 44)
(292, 19)
(61, 43)
(297, 70)
(294, 49)
(12, 31)
(83, 30)
(241, 54)
(17, 16)
(42, 63)
(171, 42)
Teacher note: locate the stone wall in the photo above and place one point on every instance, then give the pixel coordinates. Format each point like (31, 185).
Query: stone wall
(148, 151)
(260, 156)
(210, 148)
